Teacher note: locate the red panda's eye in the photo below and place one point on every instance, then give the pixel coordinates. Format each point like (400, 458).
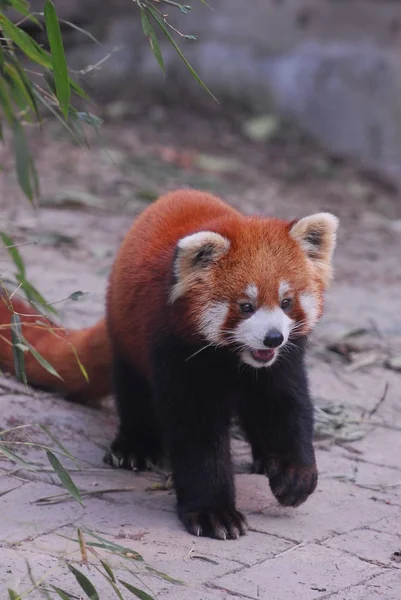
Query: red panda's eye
(246, 308)
(286, 303)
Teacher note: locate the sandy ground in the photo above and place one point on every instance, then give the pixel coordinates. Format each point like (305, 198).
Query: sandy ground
(341, 543)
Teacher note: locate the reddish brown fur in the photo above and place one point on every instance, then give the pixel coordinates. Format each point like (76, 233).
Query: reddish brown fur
(56, 345)
(140, 282)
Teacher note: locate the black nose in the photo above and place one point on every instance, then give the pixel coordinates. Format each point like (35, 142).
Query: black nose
(273, 339)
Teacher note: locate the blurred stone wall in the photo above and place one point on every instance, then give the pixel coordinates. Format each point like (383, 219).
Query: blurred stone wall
(334, 65)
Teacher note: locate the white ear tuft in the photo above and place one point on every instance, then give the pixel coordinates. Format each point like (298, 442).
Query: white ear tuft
(317, 236)
(194, 254)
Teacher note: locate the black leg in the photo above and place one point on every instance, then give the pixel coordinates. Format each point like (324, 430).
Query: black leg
(139, 437)
(277, 416)
(195, 409)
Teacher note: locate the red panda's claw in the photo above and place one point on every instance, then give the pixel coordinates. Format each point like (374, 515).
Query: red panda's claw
(219, 524)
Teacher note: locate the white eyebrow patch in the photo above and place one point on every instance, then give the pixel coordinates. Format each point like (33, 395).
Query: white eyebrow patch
(252, 292)
(283, 289)
(310, 307)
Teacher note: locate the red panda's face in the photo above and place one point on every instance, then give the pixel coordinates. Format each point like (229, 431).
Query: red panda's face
(257, 284)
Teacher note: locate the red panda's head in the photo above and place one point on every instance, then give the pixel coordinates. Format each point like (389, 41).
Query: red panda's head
(254, 284)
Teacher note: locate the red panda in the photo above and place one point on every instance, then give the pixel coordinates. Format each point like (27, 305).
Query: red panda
(207, 317)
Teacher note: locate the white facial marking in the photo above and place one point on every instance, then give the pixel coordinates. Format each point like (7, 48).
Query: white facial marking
(310, 307)
(283, 289)
(252, 292)
(252, 331)
(212, 320)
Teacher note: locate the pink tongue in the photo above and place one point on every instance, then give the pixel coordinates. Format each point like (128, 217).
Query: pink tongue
(263, 354)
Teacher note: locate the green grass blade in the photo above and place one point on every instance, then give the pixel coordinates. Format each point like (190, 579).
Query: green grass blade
(59, 62)
(86, 585)
(64, 477)
(13, 595)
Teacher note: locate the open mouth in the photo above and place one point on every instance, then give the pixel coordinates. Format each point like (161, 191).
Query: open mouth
(263, 356)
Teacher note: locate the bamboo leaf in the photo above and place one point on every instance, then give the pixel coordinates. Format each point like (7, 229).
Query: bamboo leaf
(135, 591)
(33, 295)
(13, 595)
(63, 595)
(5, 103)
(59, 62)
(150, 33)
(26, 172)
(29, 466)
(13, 252)
(156, 15)
(42, 361)
(24, 42)
(108, 570)
(18, 353)
(84, 582)
(56, 441)
(25, 82)
(64, 477)
(22, 6)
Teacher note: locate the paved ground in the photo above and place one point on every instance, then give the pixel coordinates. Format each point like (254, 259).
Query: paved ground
(343, 544)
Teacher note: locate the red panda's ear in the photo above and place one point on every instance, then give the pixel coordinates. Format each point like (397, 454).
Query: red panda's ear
(194, 253)
(317, 236)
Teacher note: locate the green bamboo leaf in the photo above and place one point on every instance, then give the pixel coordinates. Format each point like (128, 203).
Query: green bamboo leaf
(26, 464)
(13, 252)
(63, 594)
(22, 6)
(26, 172)
(17, 90)
(112, 546)
(59, 62)
(18, 353)
(33, 295)
(150, 33)
(25, 43)
(64, 477)
(29, 90)
(108, 570)
(6, 103)
(165, 576)
(89, 119)
(42, 361)
(156, 15)
(135, 591)
(13, 595)
(84, 582)
(56, 441)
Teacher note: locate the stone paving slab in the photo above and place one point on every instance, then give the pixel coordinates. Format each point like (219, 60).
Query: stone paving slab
(305, 572)
(385, 586)
(336, 507)
(369, 545)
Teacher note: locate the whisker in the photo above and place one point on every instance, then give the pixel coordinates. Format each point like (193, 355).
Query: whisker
(198, 351)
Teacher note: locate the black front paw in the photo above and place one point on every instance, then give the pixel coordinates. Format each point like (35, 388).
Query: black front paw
(222, 524)
(292, 485)
(125, 455)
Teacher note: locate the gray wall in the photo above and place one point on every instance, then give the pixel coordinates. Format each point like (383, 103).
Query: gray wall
(334, 65)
